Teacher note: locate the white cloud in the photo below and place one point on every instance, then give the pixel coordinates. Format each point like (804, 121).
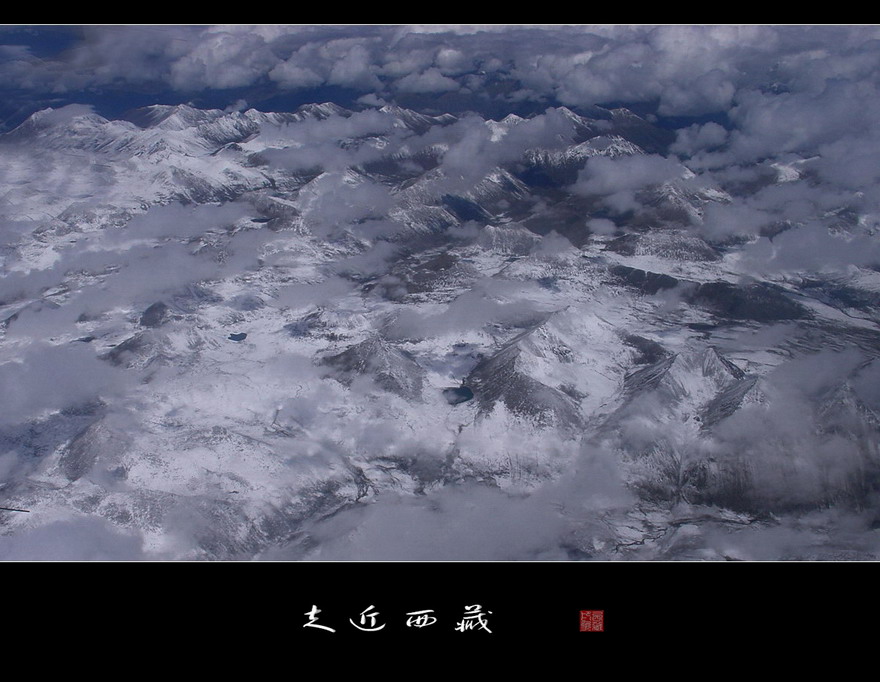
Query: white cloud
(80, 539)
(48, 377)
(698, 137)
(430, 80)
(604, 175)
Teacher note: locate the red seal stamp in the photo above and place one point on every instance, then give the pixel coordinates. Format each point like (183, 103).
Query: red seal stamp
(592, 621)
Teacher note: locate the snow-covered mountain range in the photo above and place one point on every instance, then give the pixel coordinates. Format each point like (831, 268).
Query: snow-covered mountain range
(336, 334)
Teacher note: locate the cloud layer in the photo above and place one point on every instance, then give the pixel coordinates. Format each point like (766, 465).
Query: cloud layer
(688, 70)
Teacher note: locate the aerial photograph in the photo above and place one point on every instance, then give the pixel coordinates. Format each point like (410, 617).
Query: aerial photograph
(439, 293)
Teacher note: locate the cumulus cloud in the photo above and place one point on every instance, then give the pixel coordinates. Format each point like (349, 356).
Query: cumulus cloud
(721, 221)
(698, 137)
(223, 58)
(469, 523)
(618, 180)
(83, 539)
(603, 175)
(48, 377)
(179, 222)
(352, 66)
(770, 123)
(473, 522)
(690, 70)
(487, 302)
(788, 460)
(311, 144)
(430, 80)
(290, 74)
(473, 149)
(601, 226)
(812, 248)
